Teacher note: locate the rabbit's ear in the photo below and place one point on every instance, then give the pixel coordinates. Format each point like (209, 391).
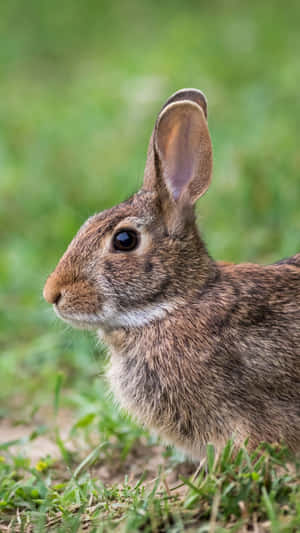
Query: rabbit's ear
(193, 95)
(180, 151)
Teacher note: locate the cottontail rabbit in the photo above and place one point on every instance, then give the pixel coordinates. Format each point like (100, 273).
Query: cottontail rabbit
(200, 351)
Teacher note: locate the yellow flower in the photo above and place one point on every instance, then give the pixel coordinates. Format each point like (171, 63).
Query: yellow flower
(41, 465)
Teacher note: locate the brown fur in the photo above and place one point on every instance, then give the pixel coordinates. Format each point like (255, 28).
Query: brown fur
(200, 351)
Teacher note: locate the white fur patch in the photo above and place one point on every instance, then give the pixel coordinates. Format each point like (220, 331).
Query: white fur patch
(110, 318)
(135, 318)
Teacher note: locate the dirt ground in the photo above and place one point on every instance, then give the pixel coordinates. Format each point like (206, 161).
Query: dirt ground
(141, 459)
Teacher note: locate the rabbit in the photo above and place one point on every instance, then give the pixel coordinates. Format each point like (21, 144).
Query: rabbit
(200, 351)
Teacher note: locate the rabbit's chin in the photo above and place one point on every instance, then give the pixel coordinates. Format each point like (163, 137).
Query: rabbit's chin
(80, 320)
(110, 318)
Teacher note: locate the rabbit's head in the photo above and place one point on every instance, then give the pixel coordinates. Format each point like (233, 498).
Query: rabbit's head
(130, 264)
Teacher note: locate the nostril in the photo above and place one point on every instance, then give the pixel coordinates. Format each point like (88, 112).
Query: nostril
(56, 298)
(52, 293)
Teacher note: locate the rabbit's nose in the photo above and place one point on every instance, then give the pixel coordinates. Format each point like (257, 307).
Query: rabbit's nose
(51, 292)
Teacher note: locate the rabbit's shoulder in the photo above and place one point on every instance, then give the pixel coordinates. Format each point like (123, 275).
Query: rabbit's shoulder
(293, 261)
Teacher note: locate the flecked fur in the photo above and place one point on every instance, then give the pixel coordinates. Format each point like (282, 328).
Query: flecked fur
(200, 351)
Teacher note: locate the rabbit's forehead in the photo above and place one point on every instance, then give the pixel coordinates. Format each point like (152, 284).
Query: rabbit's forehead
(135, 211)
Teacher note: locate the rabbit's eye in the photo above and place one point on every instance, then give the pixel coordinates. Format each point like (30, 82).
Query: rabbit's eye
(125, 240)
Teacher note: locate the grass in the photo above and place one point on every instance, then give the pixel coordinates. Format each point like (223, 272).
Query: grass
(80, 86)
(235, 493)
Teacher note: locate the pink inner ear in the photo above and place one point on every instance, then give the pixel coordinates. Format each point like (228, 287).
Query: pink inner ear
(180, 155)
(183, 145)
(180, 169)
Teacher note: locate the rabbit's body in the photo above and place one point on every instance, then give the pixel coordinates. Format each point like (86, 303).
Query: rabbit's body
(207, 371)
(200, 351)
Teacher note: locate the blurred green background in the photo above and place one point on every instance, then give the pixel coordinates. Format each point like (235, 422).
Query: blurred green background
(80, 86)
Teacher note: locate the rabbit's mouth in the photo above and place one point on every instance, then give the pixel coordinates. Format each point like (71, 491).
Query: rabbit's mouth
(110, 318)
(79, 320)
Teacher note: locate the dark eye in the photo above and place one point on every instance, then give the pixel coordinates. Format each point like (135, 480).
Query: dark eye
(125, 240)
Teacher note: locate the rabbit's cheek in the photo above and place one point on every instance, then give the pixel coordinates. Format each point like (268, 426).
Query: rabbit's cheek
(137, 282)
